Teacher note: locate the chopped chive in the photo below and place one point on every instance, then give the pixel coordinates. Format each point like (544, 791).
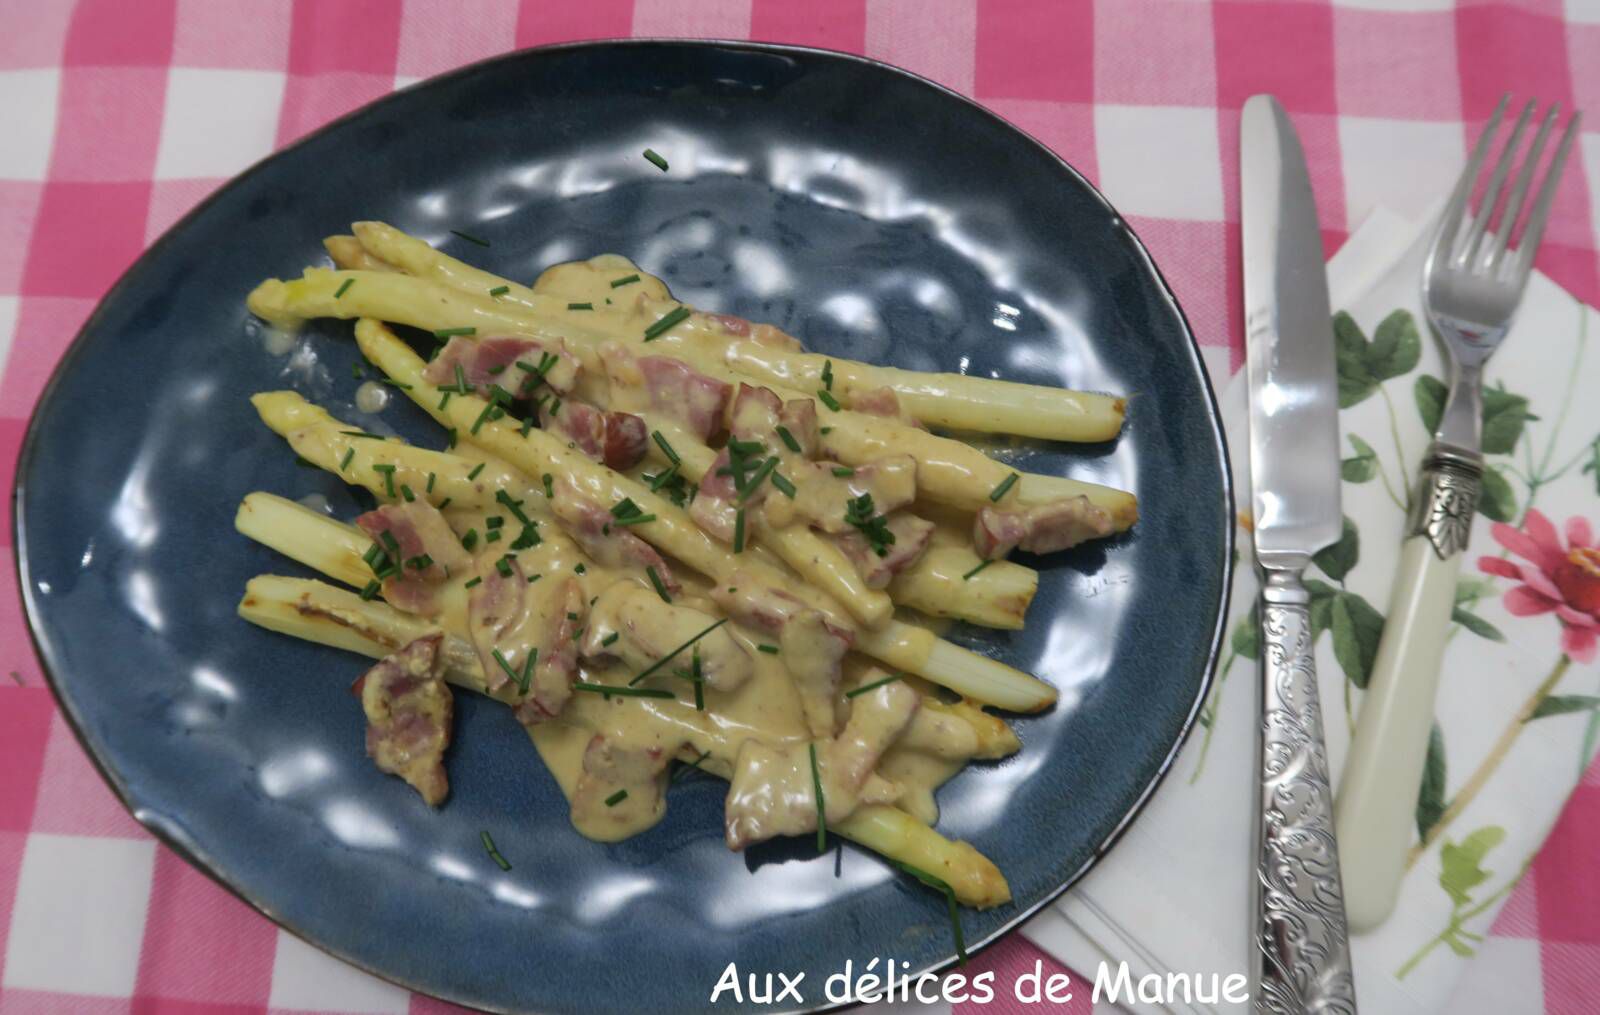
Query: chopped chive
(636, 520)
(864, 688)
(822, 807)
(344, 463)
(666, 449)
(527, 425)
(669, 656)
(655, 579)
(549, 486)
(462, 387)
(950, 903)
(402, 385)
(445, 503)
(444, 400)
(497, 370)
(827, 374)
(362, 433)
(387, 472)
(492, 536)
(451, 431)
(370, 589)
(699, 682)
(494, 854)
(527, 538)
(738, 531)
(503, 565)
(827, 430)
(346, 284)
(618, 283)
(672, 318)
(469, 540)
(511, 671)
(975, 570)
(623, 692)
(527, 670)
(1005, 484)
(690, 766)
(476, 469)
(655, 160)
(770, 650)
(611, 638)
(471, 582)
(580, 306)
(785, 487)
(470, 238)
(356, 371)
(534, 578)
(788, 439)
(429, 487)
(828, 399)
(452, 332)
(616, 798)
(579, 569)
(555, 407)
(765, 470)
(513, 505)
(843, 471)
(499, 290)
(624, 508)
(405, 491)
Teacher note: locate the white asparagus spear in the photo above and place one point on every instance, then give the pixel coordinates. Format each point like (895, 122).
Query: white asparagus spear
(953, 473)
(955, 401)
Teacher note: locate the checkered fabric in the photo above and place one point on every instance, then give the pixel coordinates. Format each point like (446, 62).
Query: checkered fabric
(116, 116)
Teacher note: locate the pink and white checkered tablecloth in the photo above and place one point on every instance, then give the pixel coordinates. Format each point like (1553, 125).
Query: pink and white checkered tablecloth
(116, 116)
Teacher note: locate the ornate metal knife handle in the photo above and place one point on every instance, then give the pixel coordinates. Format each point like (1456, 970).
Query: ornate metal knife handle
(1447, 498)
(1302, 955)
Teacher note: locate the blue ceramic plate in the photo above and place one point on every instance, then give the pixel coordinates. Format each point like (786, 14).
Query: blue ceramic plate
(867, 211)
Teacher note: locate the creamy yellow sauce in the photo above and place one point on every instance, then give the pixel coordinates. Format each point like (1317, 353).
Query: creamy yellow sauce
(612, 755)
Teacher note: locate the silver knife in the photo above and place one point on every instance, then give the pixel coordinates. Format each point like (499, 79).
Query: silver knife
(1300, 954)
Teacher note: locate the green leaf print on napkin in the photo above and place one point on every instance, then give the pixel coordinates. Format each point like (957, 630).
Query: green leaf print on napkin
(1357, 628)
(1460, 872)
(1504, 413)
(1362, 467)
(1564, 704)
(1431, 801)
(1337, 560)
(1496, 499)
(1394, 350)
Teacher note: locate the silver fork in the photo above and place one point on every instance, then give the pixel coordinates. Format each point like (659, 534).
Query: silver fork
(1472, 282)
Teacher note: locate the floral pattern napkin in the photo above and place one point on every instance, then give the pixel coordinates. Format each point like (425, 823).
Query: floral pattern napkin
(1518, 709)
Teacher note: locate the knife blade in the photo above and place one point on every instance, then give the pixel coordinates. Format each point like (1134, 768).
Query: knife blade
(1300, 954)
(1294, 406)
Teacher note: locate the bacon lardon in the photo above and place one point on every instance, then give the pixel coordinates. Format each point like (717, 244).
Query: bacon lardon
(593, 528)
(486, 361)
(408, 709)
(773, 790)
(911, 537)
(670, 387)
(421, 535)
(1042, 529)
(616, 439)
(621, 789)
(557, 666)
(811, 647)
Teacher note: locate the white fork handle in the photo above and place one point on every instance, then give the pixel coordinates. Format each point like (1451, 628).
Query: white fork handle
(1375, 812)
(1377, 801)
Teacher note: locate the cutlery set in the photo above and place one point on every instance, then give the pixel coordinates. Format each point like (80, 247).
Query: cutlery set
(1306, 898)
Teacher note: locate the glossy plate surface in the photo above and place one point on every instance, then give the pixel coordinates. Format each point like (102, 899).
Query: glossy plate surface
(868, 212)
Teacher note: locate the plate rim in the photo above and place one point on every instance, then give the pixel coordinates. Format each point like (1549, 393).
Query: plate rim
(197, 858)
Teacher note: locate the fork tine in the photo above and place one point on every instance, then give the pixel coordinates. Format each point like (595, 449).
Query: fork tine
(1529, 243)
(1519, 190)
(1491, 193)
(1456, 209)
